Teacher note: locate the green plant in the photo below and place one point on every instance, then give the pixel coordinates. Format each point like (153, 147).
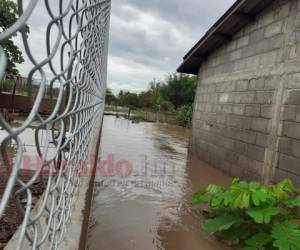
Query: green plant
(185, 115)
(8, 16)
(252, 215)
(166, 106)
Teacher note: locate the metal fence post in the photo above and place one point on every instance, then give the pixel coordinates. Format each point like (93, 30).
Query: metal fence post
(63, 140)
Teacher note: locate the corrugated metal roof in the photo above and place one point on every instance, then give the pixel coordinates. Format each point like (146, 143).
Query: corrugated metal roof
(238, 16)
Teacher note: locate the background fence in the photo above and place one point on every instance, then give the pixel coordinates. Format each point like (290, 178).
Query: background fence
(18, 85)
(75, 65)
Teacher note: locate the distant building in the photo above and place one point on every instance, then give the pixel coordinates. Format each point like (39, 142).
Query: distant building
(247, 108)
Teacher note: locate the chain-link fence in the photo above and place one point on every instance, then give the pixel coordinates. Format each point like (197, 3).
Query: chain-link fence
(40, 194)
(17, 85)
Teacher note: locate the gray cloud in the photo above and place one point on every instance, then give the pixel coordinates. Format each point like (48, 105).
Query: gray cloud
(156, 34)
(192, 14)
(148, 38)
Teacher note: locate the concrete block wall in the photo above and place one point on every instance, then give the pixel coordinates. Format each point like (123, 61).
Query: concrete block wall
(289, 133)
(247, 107)
(232, 124)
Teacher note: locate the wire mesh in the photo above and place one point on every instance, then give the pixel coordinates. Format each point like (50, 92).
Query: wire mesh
(62, 139)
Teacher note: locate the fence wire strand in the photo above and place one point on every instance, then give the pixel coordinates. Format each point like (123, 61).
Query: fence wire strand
(63, 137)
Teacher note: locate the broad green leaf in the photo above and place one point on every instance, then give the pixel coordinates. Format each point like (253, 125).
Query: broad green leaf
(221, 223)
(263, 214)
(254, 185)
(201, 197)
(214, 189)
(241, 200)
(205, 196)
(243, 185)
(286, 236)
(227, 198)
(216, 201)
(258, 241)
(287, 185)
(240, 194)
(259, 197)
(235, 181)
(234, 234)
(219, 200)
(293, 203)
(282, 189)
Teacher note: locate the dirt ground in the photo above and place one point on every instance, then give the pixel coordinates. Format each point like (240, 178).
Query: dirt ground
(12, 218)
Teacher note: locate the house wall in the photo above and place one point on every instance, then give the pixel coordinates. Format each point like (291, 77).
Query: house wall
(247, 108)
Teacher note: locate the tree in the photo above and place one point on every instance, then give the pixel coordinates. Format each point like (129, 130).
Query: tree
(146, 100)
(153, 90)
(110, 98)
(8, 16)
(179, 89)
(128, 99)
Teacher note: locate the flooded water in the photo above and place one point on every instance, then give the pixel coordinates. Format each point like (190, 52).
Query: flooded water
(142, 195)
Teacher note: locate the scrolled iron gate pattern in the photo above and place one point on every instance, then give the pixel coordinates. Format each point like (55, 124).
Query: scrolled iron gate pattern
(81, 42)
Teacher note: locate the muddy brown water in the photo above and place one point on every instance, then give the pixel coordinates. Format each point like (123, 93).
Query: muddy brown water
(142, 195)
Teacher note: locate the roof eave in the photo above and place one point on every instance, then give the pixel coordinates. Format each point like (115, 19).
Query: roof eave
(238, 16)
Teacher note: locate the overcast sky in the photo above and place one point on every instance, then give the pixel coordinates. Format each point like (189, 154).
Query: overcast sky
(148, 38)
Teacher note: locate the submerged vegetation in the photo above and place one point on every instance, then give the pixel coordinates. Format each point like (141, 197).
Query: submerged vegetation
(252, 215)
(173, 97)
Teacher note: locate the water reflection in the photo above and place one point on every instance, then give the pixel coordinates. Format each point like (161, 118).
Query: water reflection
(149, 208)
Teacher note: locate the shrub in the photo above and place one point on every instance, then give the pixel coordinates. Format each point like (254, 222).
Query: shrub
(6, 86)
(166, 106)
(252, 215)
(184, 115)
